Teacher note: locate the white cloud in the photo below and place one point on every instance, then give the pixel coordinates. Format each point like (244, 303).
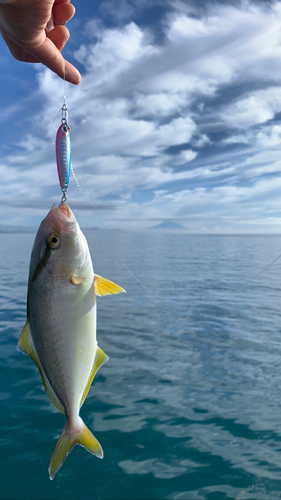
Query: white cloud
(201, 141)
(270, 137)
(115, 52)
(258, 107)
(248, 112)
(158, 105)
(185, 156)
(178, 131)
(182, 26)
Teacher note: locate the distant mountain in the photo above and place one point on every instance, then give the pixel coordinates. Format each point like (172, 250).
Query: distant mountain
(169, 224)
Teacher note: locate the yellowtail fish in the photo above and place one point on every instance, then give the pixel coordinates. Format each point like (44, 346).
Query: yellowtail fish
(60, 331)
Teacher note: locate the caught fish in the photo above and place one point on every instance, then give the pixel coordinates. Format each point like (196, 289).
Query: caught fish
(63, 155)
(60, 331)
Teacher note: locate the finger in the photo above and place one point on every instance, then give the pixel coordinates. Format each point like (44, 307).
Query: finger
(49, 55)
(62, 13)
(71, 74)
(59, 36)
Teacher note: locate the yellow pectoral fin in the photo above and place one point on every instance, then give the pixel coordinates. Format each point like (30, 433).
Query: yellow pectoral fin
(26, 345)
(100, 359)
(106, 287)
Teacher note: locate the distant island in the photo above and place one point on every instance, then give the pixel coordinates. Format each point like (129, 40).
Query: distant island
(169, 224)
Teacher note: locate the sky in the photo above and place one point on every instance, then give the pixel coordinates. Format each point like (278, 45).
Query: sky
(177, 118)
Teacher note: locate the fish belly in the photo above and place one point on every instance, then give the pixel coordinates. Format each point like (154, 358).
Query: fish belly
(63, 324)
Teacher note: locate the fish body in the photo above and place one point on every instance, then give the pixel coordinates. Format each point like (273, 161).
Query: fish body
(60, 331)
(63, 155)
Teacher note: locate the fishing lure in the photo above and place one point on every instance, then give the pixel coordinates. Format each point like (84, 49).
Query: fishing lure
(63, 152)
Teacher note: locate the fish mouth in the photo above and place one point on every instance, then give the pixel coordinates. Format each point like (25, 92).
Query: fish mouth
(64, 218)
(65, 210)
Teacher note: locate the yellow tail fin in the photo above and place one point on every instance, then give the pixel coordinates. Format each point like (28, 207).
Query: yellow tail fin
(68, 439)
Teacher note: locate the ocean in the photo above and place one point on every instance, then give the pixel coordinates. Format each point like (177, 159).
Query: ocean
(189, 404)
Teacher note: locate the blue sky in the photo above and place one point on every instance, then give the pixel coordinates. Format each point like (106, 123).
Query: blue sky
(177, 118)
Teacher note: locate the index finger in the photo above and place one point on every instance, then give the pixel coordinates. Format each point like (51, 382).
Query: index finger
(50, 56)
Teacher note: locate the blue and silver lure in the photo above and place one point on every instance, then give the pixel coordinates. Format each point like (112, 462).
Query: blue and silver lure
(63, 152)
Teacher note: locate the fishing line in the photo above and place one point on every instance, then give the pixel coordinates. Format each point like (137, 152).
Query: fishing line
(250, 280)
(64, 97)
(118, 255)
(65, 166)
(165, 299)
(64, 93)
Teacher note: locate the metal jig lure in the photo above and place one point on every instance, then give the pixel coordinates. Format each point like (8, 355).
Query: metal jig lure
(63, 152)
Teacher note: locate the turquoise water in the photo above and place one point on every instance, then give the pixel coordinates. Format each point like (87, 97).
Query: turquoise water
(188, 405)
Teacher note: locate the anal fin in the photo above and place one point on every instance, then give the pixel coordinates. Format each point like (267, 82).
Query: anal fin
(26, 345)
(100, 359)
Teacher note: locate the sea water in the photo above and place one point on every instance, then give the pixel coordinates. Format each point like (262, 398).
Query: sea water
(189, 404)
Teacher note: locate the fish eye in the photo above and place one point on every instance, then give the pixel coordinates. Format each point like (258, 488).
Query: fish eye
(54, 241)
(65, 128)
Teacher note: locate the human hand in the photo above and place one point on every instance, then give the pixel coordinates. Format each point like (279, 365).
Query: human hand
(34, 32)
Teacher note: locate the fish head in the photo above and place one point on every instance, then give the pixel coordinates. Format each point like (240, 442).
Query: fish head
(59, 246)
